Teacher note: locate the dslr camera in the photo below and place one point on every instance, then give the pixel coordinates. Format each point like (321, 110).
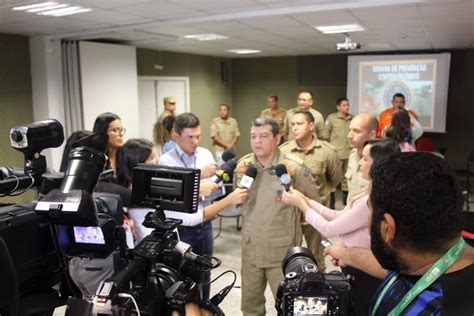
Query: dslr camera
(307, 291)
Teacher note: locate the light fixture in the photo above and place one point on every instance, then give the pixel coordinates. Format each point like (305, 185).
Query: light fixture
(34, 6)
(342, 28)
(206, 37)
(244, 51)
(52, 9)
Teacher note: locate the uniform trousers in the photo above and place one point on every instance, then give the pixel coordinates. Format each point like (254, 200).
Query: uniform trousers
(254, 282)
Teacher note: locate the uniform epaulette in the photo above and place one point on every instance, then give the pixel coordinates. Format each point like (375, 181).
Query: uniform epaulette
(294, 159)
(245, 157)
(325, 143)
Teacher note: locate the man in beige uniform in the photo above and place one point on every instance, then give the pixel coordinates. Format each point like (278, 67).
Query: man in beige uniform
(170, 106)
(269, 227)
(335, 132)
(305, 102)
(362, 128)
(224, 131)
(324, 165)
(276, 112)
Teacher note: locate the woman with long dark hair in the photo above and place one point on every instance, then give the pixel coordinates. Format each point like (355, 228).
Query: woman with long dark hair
(110, 124)
(400, 130)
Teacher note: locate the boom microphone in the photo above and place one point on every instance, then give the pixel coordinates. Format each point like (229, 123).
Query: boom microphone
(248, 178)
(283, 176)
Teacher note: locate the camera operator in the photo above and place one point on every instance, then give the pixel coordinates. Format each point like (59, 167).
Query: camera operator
(415, 235)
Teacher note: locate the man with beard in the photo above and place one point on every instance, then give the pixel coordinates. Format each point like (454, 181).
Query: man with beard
(416, 239)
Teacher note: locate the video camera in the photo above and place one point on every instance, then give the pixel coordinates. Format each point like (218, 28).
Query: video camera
(307, 291)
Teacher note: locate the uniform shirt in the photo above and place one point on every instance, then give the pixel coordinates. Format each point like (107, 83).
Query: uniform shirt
(336, 130)
(225, 130)
(385, 119)
(355, 181)
(322, 161)
(279, 116)
(451, 295)
(178, 158)
(269, 226)
(318, 122)
(164, 114)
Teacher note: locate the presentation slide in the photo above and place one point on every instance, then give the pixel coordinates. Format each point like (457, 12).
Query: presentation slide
(422, 79)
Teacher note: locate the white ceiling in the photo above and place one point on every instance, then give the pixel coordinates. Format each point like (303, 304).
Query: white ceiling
(276, 27)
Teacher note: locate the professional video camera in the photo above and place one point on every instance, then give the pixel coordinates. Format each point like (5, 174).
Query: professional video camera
(307, 291)
(162, 269)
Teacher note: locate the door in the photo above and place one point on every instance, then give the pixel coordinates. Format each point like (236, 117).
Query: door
(152, 91)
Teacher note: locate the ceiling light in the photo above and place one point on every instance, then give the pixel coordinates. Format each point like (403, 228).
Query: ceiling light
(33, 6)
(57, 6)
(344, 28)
(206, 37)
(244, 51)
(52, 9)
(65, 11)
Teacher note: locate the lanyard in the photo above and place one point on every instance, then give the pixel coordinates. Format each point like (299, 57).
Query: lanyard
(193, 165)
(436, 270)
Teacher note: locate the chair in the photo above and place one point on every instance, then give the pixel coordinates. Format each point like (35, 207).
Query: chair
(232, 211)
(425, 144)
(466, 175)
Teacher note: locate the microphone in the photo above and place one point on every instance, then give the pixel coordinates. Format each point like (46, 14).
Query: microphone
(228, 154)
(283, 176)
(186, 251)
(226, 172)
(248, 178)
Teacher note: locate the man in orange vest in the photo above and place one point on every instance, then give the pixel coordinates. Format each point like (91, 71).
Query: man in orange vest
(385, 119)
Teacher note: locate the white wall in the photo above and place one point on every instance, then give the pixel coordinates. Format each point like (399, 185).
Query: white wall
(46, 77)
(110, 83)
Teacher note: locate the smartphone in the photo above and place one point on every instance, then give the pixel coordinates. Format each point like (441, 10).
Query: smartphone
(326, 243)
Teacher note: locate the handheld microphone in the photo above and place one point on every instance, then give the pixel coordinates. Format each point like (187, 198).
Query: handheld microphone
(228, 154)
(226, 172)
(283, 176)
(248, 178)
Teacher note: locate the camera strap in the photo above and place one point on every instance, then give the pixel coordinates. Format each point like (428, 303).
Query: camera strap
(434, 272)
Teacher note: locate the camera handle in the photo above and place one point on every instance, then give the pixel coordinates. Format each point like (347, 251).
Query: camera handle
(278, 299)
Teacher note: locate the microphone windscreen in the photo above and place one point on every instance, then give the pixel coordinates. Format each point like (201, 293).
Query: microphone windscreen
(228, 154)
(280, 170)
(251, 172)
(229, 166)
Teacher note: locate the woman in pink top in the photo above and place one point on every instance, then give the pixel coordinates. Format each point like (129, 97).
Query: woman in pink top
(352, 223)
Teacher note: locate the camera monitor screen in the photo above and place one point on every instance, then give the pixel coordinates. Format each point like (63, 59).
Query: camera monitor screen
(303, 305)
(169, 188)
(89, 235)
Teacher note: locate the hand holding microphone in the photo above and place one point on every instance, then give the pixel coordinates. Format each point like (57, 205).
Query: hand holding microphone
(283, 177)
(226, 171)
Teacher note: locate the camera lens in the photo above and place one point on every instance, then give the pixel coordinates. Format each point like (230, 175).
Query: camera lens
(296, 258)
(84, 167)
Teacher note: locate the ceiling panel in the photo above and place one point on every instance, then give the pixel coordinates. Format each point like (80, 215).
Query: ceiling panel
(269, 25)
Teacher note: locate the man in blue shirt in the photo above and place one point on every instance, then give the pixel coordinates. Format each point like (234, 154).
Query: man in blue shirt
(416, 243)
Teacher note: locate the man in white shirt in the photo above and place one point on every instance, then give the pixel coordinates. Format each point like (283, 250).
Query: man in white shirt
(187, 153)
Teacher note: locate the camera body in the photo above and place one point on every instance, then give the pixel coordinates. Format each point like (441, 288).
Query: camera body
(305, 290)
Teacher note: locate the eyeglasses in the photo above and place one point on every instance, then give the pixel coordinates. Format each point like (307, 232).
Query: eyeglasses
(118, 130)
